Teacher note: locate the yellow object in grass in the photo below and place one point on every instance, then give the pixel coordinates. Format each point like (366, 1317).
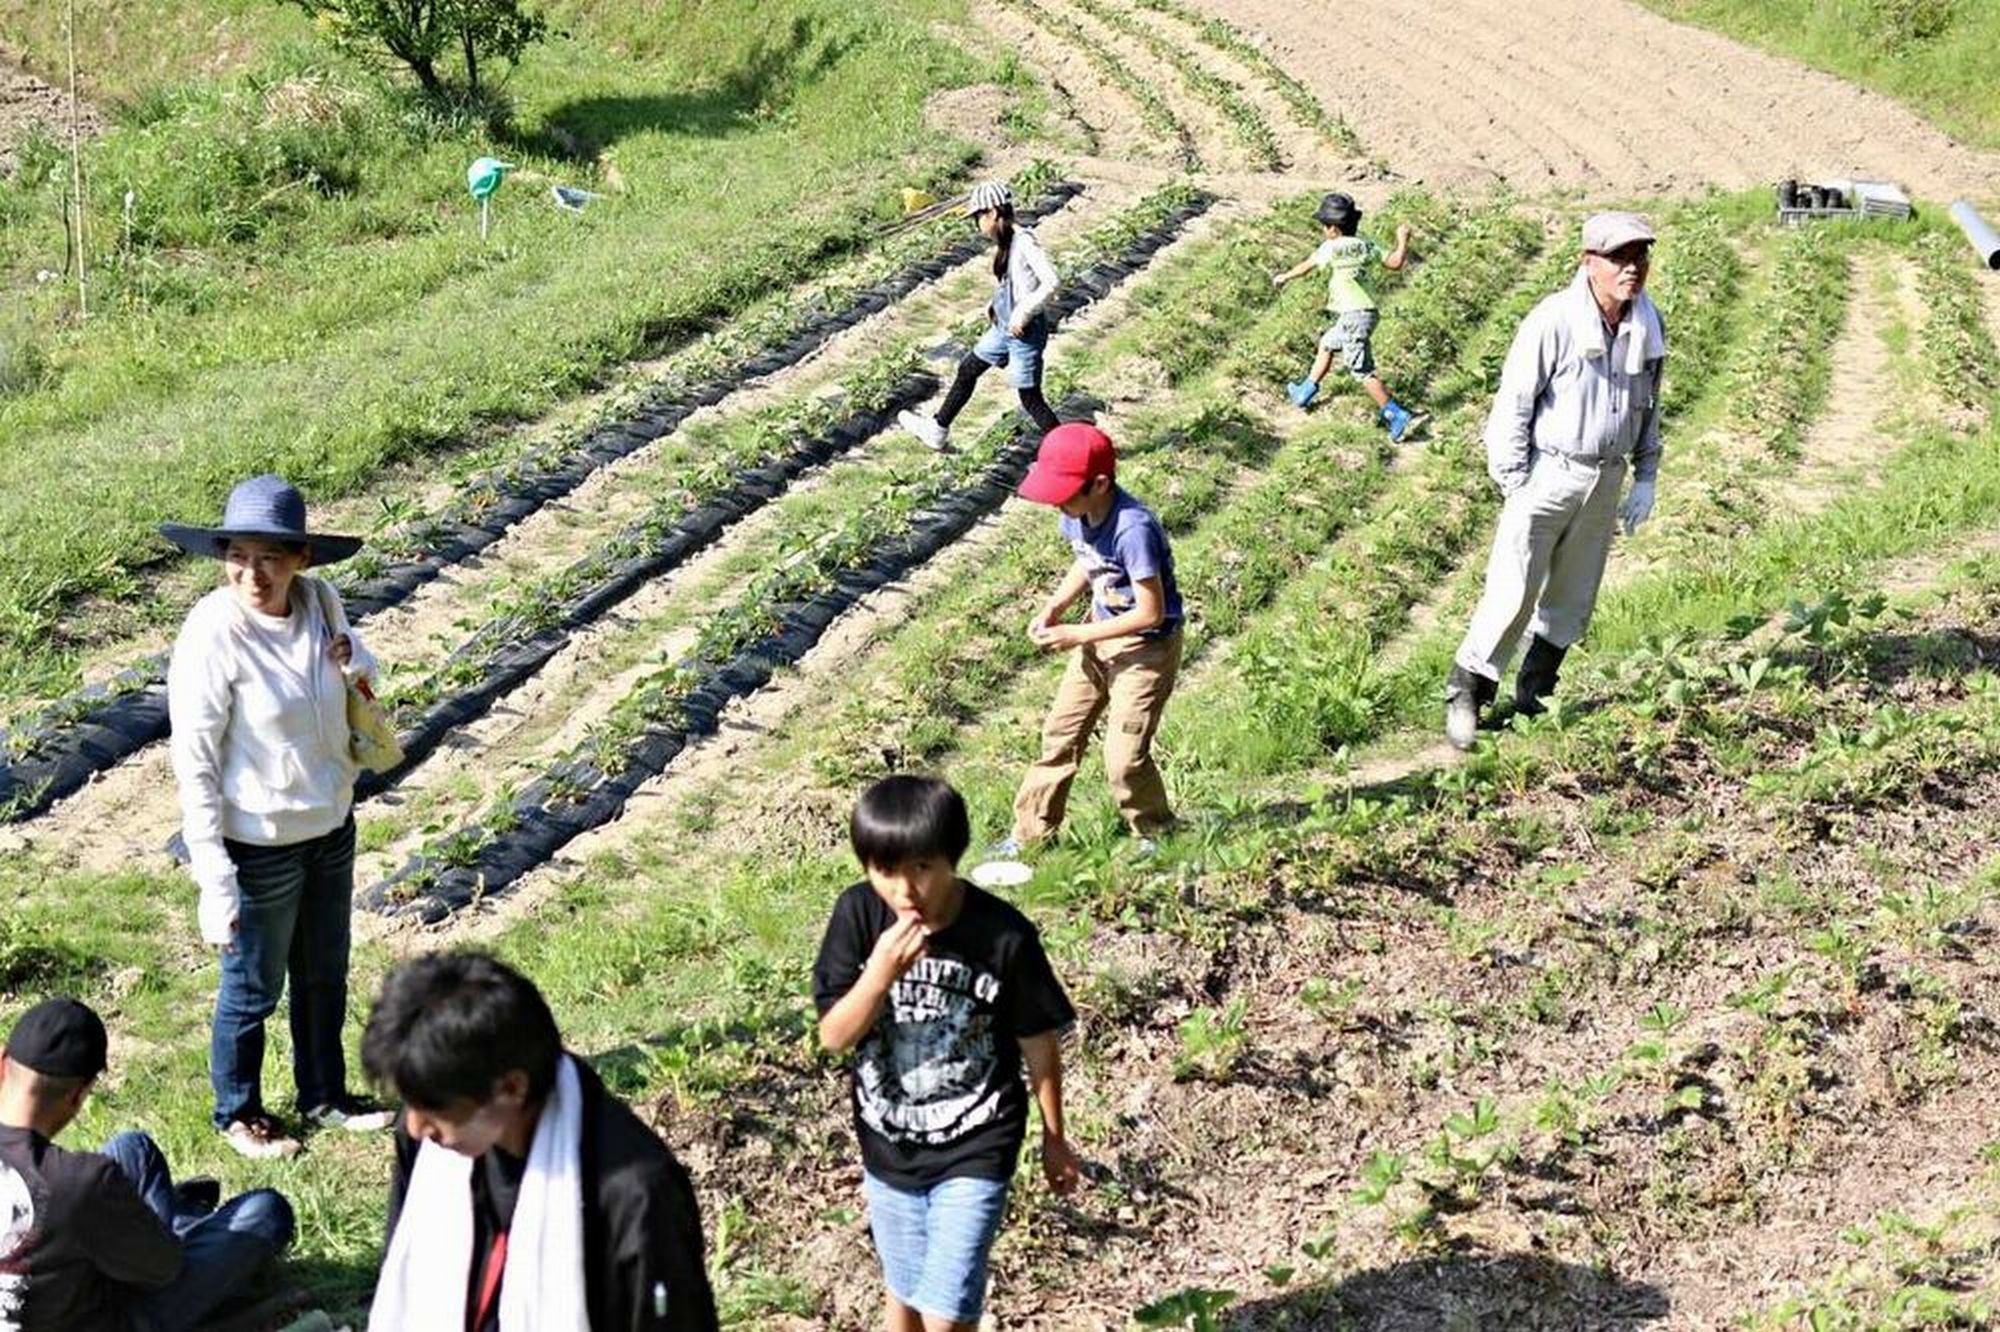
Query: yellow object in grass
(915, 201)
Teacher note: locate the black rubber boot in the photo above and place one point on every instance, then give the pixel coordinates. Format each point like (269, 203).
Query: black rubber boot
(1536, 679)
(1465, 693)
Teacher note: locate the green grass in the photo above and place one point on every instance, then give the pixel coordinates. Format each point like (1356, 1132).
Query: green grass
(304, 289)
(684, 955)
(1935, 55)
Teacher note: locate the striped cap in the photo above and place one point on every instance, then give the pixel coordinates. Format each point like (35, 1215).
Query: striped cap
(986, 196)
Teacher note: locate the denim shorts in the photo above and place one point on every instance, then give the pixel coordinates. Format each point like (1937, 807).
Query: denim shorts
(1349, 338)
(1022, 356)
(934, 1243)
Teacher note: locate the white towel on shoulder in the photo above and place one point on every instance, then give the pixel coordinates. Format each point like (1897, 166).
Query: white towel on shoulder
(429, 1264)
(1645, 338)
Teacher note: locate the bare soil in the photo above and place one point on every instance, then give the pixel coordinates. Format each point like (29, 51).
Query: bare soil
(29, 106)
(1600, 95)
(1480, 965)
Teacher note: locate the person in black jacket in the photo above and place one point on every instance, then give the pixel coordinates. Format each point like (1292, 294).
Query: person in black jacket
(518, 1168)
(105, 1241)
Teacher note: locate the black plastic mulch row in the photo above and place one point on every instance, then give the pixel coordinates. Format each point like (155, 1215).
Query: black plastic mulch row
(595, 792)
(544, 825)
(509, 663)
(110, 721)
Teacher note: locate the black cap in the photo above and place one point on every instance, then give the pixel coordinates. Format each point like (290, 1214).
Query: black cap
(1338, 210)
(59, 1038)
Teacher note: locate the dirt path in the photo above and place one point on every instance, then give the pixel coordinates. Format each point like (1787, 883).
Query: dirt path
(1848, 443)
(28, 105)
(1537, 93)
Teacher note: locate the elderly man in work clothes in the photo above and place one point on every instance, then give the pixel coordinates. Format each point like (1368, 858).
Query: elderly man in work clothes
(1578, 406)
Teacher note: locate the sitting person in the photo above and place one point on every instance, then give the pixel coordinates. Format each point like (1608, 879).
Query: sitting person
(516, 1170)
(104, 1241)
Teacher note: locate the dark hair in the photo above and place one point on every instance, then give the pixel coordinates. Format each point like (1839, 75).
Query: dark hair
(447, 1026)
(46, 1089)
(1003, 244)
(903, 817)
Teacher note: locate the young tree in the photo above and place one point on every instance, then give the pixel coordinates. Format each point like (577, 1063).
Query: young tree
(419, 33)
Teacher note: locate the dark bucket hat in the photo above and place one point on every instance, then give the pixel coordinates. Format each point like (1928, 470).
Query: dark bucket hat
(266, 508)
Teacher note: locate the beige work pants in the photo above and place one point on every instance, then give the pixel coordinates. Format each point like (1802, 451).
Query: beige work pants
(1126, 681)
(1547, 561)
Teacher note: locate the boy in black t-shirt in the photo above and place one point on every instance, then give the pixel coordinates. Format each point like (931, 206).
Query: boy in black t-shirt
(944, 993)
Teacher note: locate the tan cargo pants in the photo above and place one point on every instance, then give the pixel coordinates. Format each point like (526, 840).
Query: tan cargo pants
(1126, 681)
(1547, 562)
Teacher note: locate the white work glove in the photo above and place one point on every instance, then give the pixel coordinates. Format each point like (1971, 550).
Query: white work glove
(217, 916)
(1638, 506)
(216, 909)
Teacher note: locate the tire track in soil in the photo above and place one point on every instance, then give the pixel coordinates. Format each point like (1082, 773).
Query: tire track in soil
(1214, 141)
(1699, 108)
(1110, 114)
(1217, 140)
(1483, 73)
(126, 814)
(1306, 151)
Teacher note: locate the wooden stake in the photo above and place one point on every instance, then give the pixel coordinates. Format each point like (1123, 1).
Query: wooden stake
(76, 169)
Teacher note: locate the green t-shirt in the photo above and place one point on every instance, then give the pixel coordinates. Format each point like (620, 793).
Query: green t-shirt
(1345, 258)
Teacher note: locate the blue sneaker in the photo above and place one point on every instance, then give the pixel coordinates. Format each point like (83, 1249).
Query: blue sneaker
(1398, 419)
(1302, 393)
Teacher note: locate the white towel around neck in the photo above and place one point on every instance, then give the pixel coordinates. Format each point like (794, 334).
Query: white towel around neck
(1646, 339)
(429, 1264)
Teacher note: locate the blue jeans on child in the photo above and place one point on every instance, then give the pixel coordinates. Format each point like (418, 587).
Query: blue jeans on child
(934, 1243)
(293, 918)
(1022, 356)
(221, 1250)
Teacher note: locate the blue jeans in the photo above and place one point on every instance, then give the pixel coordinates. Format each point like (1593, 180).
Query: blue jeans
(934, 1243)
(1022, 356)
(292, 919)
(220, 1250)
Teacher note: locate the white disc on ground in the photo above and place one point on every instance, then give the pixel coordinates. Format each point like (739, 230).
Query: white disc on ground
(1001, 874)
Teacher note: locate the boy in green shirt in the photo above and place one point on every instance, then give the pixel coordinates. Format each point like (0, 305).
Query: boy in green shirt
(1346, 256)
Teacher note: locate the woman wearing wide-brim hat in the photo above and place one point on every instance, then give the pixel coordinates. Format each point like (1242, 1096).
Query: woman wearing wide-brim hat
(258, 699)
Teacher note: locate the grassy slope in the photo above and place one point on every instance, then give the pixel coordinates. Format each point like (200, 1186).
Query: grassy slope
(1948, 76)
(300, 241)
(677, 929)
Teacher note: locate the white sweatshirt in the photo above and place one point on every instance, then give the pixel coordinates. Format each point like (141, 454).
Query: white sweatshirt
(260, 742)
(1030, 274)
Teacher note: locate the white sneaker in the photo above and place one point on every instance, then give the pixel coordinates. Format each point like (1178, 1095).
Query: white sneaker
(261, 1139)
(352, 1114)
(926, 429)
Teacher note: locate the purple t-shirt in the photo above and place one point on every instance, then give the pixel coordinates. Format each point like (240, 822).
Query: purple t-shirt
(1127, 546)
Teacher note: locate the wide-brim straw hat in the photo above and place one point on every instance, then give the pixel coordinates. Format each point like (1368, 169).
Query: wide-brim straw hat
(264, 508)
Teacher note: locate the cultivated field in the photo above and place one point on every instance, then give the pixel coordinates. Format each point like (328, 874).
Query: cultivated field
(1673, 1009)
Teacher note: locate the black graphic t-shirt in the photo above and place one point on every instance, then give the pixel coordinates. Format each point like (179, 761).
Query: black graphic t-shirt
(938, 1090)
(76, 1240)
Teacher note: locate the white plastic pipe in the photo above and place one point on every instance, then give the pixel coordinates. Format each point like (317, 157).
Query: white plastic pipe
(1984, 239)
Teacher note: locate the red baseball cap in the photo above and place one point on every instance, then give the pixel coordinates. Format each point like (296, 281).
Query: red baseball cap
(1071, 457)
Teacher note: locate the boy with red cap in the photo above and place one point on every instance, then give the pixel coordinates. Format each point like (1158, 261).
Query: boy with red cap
(1126, 652)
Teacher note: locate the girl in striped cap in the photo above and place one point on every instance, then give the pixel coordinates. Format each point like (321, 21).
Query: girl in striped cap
(1024, 280)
